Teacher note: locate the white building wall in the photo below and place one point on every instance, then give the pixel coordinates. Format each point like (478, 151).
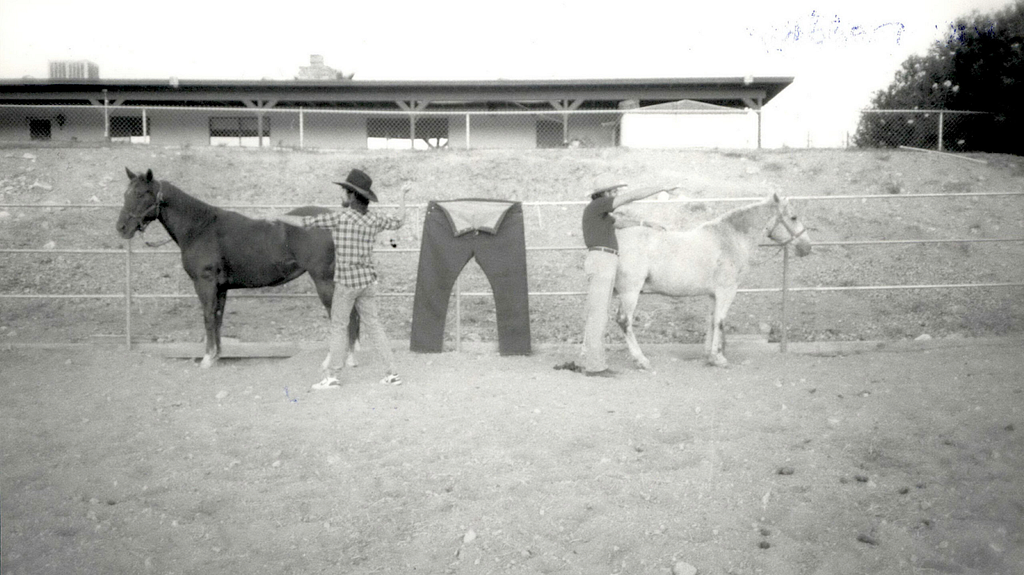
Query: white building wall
(178, 127)
(324, 130)
(457, 131)
(80, 124)
(332, 130)
(504, 131)
(640, 130)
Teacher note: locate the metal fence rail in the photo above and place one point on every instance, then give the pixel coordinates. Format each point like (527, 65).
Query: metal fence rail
(785, 288)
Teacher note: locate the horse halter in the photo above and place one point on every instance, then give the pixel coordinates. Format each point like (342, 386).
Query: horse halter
(780, 218)
(158, 198)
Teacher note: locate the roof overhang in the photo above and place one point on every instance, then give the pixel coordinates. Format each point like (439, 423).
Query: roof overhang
(749, 92)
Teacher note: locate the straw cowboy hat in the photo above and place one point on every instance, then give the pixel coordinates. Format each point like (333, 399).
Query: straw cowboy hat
(357, 181)
(604, 185)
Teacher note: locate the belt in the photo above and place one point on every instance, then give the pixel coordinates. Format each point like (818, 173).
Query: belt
(604, 249)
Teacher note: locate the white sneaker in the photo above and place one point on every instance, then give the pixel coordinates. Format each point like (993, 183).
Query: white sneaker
(327, 383)
(391, 379)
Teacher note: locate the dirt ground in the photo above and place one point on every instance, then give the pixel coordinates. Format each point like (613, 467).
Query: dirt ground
(902, 459)
(889, 461)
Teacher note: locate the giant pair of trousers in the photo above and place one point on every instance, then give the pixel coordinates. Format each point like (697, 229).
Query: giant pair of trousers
(446, 249)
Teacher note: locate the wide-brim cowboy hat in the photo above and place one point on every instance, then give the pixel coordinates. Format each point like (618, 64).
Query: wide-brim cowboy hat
(605, 185)
(359, 182)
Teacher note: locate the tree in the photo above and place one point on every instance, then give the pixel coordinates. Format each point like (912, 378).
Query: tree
(978, 67)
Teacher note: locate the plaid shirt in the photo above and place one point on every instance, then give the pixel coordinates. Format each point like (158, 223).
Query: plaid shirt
(354, 236)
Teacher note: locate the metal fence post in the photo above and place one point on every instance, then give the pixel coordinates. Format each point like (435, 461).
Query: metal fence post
(467, 131)
(784, 342)
(302, 124)
(412, 131)
(106, 116)
(759, 118)
(128, 295)
(940, 131)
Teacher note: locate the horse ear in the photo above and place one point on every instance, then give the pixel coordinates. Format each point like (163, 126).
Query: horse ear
(776, 198)
(149, 176)
(131, 175)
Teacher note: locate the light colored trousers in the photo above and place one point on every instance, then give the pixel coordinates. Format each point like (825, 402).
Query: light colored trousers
(600, 268)
(365, 301)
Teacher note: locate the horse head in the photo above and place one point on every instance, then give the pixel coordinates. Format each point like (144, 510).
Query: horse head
(786, 228)
(141, 204)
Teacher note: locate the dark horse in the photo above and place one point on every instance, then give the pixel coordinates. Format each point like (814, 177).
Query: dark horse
(223, 250)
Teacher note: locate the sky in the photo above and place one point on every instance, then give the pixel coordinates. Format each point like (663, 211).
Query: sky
(839, 53)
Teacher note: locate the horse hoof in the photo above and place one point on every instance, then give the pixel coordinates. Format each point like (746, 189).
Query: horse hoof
(350, 361)
(718, 361)
(643, 364)
(207, 362)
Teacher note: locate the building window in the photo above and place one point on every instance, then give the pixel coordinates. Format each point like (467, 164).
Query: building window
(244, 132)
(38, 129)
(129, 129)
(395, 133)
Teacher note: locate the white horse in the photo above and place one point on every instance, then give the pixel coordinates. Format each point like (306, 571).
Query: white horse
(708, 260)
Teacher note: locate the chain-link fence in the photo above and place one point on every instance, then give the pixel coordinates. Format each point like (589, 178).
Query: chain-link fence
(304, 128)
(333, 129)
(942, 130)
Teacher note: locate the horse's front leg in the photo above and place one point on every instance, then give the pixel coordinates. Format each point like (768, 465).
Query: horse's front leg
(353, 338)
(350, 357)
(218, 320)
(709, 337)
(716, 351)
(212, 310)
(624, 317)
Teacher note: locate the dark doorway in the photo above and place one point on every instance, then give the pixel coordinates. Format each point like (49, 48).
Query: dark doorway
(39, 129)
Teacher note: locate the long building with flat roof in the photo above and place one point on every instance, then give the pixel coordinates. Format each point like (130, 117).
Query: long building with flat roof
(345, 113)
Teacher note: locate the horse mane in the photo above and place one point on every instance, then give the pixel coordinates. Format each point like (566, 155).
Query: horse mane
(745, 219)
(192, 205)
(197, 213)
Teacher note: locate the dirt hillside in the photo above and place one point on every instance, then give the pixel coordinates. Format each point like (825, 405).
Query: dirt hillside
(903, 182)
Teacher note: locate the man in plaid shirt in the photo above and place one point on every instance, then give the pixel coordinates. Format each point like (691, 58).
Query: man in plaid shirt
(355, 231)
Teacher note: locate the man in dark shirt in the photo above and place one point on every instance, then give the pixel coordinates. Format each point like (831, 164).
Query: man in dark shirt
(600, 266)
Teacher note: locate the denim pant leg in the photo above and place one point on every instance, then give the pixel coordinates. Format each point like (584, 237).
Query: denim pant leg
(600, 268)
(366, 304)
(341, 309)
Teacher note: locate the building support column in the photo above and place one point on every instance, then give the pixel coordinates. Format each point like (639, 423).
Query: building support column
(756, 105)
(412, 107)
(565, 106)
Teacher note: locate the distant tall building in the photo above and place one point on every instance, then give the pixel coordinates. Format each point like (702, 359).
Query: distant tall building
(74, 70)
(317, 70)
